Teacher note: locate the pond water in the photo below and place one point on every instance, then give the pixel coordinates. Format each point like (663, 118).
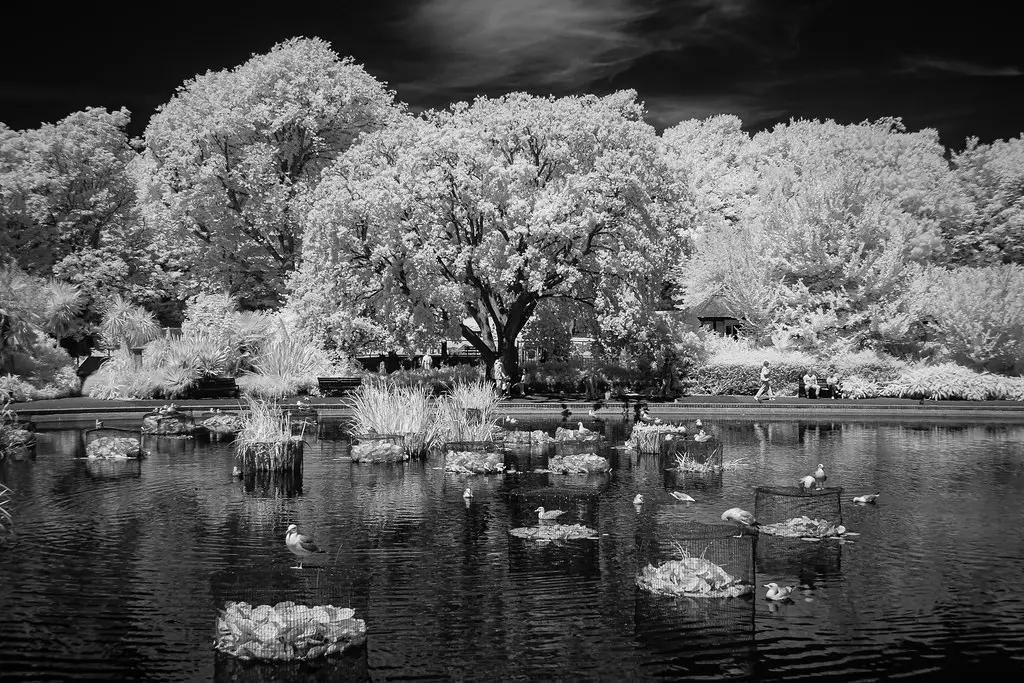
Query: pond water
(113, 570)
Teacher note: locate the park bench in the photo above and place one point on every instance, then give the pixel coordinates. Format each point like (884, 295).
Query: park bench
(338, 386)
(215, 387)
(823, 390)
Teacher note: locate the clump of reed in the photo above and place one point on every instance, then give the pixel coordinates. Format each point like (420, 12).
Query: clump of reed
(469, 412)
(265, 441)
(382, 407)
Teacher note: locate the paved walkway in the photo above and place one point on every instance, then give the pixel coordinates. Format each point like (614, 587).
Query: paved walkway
(738, 406)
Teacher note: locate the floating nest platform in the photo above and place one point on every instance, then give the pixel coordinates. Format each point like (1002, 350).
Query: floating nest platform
(548, 533)
(112, 443)
(168, 422)
(378, 448)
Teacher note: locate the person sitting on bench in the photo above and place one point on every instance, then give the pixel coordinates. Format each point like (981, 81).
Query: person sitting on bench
(811, 384)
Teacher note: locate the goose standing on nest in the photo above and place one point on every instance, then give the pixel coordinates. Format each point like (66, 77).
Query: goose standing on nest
(679, 495)
(807, 483)
(548, 514)
(869, 498)
(301, 546)
(777, 592)
(819, 475)
(741, 518)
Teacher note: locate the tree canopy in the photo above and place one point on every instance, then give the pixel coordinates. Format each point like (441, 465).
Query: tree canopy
(823, 246)
(230, 157)
(63, 186)
(487, 210)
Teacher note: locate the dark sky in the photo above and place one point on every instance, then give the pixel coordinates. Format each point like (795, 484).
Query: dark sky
(957, 68)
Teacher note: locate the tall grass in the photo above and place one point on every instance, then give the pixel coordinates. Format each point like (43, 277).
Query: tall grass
(265, 441)
(454, 420)
(381, 407)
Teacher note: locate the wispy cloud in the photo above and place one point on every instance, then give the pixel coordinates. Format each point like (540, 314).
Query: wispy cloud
(473, 46)
(919, 64)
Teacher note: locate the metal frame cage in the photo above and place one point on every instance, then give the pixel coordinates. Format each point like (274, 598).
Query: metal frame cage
(782, 503)
(310, 587)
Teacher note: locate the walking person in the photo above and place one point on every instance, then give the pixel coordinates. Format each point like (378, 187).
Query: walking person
(766, 383)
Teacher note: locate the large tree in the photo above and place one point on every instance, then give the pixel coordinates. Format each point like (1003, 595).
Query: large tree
(64, 187)
(230, 157)
(992, 177)
(488, 210)
(823, 248)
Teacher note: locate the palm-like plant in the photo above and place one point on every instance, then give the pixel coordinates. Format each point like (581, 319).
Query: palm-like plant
(30, 305)
(127, 324)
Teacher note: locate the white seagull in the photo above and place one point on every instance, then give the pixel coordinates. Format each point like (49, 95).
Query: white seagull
(819, 475)
(741, 518)
(776, 592)
(468, 493)
(301, 546)
(807, 483)
(548, 514)
(679, 495)
(869, 498)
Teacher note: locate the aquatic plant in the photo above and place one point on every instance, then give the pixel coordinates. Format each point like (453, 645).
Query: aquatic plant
(469, 412)
(265, 440)
(381, 407)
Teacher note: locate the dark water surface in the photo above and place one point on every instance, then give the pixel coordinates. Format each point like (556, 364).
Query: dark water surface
(112, 573)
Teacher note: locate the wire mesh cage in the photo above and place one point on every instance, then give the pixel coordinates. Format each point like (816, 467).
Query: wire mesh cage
(279, 623)
(378, 448)
(700, 560)
(792, 511)
(168, 422)
(111, 442)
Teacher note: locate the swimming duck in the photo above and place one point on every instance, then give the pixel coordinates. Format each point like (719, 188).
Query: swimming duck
(741, 518)
(468, 493)
(565, 412)
(807, 483)
(679, 495)
(548, 514)
(869, 498)
(235, 472)
(301, 546)
(776, 592)
(639, 500)
(819, 475)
